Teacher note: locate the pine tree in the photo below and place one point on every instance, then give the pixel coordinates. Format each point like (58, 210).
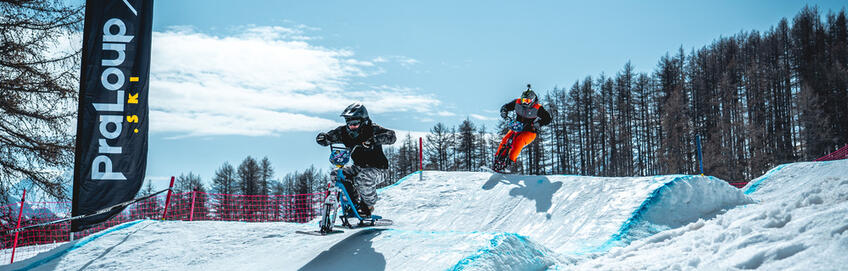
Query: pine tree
(437, 146)
(225, 184)
(188, 182)
(482, 153)
(38, 91)
(465, 145)
(266, 172)
(249, 176)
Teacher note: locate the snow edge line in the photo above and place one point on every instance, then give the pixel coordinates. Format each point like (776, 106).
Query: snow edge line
(79, 244)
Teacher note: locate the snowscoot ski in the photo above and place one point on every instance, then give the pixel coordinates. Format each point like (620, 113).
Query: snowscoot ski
(337, 196)
(499, 163)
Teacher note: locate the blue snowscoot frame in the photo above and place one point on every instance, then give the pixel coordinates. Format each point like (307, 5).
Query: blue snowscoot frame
(339, 156)
(500, 157)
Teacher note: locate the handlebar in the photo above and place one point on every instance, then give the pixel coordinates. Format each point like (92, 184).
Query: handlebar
(340, 154)
(515, 125)
(340, 146)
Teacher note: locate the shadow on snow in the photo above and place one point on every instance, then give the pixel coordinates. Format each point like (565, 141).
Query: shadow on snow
(536, 188)
(353, 253)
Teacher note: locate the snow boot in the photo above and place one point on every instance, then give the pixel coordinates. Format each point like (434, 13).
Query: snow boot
(364, 210)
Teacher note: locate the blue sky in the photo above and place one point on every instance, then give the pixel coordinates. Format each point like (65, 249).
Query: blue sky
(236, 78)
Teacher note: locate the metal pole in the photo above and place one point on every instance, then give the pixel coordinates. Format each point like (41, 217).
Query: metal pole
(191, 213)
(168, 198)
(700, 158)
(20, 214)
(420, 158)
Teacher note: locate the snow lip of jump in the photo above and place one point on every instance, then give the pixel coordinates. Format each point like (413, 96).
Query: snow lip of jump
(642, 224)
(754, 185)
(507, 250)
(399, 181)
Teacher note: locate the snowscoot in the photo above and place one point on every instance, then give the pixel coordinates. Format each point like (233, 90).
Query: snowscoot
(500, 163)
(337, 196)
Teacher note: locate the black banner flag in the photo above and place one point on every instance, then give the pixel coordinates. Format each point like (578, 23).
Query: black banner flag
(111, 143)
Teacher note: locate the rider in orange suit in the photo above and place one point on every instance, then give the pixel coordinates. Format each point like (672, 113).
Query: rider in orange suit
(532, 115)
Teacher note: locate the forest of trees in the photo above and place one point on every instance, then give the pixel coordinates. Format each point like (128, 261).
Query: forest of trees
(756, 100)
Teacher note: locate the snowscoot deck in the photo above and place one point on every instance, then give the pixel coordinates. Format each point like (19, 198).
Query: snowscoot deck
(367, 223)
(319, 233)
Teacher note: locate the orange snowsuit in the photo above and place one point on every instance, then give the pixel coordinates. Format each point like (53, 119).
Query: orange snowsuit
(521, 140)
(526, 114)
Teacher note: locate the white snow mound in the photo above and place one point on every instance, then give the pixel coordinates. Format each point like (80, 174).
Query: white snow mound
(800, 222)
(443, 221)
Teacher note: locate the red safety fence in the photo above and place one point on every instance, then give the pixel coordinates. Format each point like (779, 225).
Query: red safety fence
(188, 206)
(739, 185)
(841, 153)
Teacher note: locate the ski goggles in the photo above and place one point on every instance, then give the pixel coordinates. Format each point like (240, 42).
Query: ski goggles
(526, 100)
(354, 123)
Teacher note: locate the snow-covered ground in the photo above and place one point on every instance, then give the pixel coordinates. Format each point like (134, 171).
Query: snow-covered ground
(800, 222)
(794, 217)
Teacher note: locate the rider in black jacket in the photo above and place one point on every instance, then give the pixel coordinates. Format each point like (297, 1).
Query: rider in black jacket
(370, 165)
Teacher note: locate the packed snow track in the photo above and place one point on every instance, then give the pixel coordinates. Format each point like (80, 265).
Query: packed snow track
(483, 221)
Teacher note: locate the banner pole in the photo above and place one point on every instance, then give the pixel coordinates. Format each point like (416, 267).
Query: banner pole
(420, 158)
(20, 214)
(168, 198)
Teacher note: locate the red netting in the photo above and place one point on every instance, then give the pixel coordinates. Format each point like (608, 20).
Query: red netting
(184, 206)
(739, 184)
(841, 153)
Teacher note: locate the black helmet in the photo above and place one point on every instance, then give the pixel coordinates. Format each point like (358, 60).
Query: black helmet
(355, 111)
(528, 96)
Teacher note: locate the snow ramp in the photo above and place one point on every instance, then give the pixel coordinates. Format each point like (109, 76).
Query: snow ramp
(800, 222)
(564, 213)
(443, 221)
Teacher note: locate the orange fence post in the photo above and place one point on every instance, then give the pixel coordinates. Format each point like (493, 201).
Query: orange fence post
(168, 198)
(20, 214)
(191, 212)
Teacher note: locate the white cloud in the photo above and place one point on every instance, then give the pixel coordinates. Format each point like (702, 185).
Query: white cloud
(481, 117)
(404, 61)
(262, 81)
(379, 59)
(445, 114)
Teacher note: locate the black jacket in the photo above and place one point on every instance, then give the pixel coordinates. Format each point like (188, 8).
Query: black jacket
(372, 157)
(528, 114)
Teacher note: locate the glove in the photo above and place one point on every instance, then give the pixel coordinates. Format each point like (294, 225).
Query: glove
(536, 125)
(322, 139)
(504, 114)
(368, 144)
